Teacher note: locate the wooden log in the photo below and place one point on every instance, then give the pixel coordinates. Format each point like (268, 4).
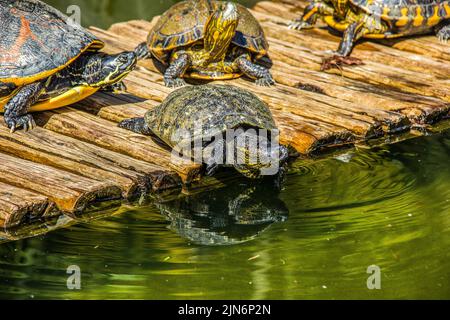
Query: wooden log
(70, 192)
(89, 128)
(47, 147)
(18, 205)
(293, 136)
(363, 107)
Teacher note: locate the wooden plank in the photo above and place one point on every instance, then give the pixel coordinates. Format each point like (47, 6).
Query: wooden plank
(89, 128)
(70, 192)
(47, 147)
(374, 97)
(18, 205)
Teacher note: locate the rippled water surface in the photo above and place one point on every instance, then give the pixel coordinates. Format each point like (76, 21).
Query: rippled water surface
(389, 207)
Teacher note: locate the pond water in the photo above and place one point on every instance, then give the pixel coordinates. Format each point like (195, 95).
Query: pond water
(314, 239)
(389, 207)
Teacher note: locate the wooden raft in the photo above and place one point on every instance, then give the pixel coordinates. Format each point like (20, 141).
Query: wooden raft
(78, 156)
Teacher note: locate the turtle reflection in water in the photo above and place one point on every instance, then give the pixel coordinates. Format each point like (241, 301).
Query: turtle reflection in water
(226, 216)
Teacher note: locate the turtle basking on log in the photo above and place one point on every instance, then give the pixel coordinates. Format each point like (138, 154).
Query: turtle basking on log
(217, 120)
(47, 62)
(376, 19)
(208, 40)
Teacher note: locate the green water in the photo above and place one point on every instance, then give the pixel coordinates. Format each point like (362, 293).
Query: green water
(315, 239)
(389, 207)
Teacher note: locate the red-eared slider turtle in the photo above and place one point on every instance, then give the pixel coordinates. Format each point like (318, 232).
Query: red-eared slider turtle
(209, 40)
(217, 125)
(378, 19)
(47, 62)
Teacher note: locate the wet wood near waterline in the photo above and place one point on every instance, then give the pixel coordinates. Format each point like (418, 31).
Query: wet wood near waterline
(78, 155)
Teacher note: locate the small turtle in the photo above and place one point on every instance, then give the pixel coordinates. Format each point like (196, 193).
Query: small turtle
(376, 19)
(47, 62)
(209, 40)
(219, 122)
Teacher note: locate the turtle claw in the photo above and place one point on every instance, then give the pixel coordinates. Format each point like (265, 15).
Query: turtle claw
(174, 83)
(26, 122)
(299, 25)
(265, 82)
(444, 35)
(336, 61)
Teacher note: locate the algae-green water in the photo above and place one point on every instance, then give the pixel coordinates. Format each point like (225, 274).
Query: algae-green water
(315, 239)
(387, 207)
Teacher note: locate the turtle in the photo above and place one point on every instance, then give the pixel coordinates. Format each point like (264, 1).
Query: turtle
(48, 61)
(226, 216)
(217, 125)
(376, 19)
(208, 40)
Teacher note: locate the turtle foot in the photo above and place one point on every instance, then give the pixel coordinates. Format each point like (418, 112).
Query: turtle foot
(136, 125)
(174, 83)
(15, 123)
(337, 61)
(142, 51)
(265, 82)
(117, 88)
(444, 35)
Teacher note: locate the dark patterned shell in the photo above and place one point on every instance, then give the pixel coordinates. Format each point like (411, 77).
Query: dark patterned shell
(206, 111)
(36, 41)
(403, 12)
(184, 24)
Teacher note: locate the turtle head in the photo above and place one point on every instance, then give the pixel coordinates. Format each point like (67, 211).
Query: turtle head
(262, 161)
(220, 30)
(104, 70)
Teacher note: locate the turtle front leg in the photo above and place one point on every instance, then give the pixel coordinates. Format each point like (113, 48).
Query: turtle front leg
(214, 156)
(310, 15)
(116, 88)
(352, 34)
(255, 71)
(16, 110)
(443, 31)
(142, 51)
(137, 125)
(173, 77)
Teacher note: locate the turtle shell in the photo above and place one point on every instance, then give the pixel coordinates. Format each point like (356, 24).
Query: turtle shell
(402, 12)
(36, 40)
(184, 23)
(195, 113)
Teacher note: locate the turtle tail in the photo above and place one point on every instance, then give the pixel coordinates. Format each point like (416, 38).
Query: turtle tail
(137, 125)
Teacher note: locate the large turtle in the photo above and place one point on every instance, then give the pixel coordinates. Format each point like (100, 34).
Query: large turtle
(47, 61)
(217, 125)
(377, 19)
(210, 40)
(231, 215)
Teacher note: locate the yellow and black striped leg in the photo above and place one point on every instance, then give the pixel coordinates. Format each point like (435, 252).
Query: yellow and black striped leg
(310, 15)
(142, 51)
(353, 33)
(443, 31)
(16, 110)
(255, 71)
(174, 73)
(116, 88)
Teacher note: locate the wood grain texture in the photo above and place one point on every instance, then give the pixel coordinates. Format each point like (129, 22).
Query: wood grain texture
(20, 205)
(70, 192)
